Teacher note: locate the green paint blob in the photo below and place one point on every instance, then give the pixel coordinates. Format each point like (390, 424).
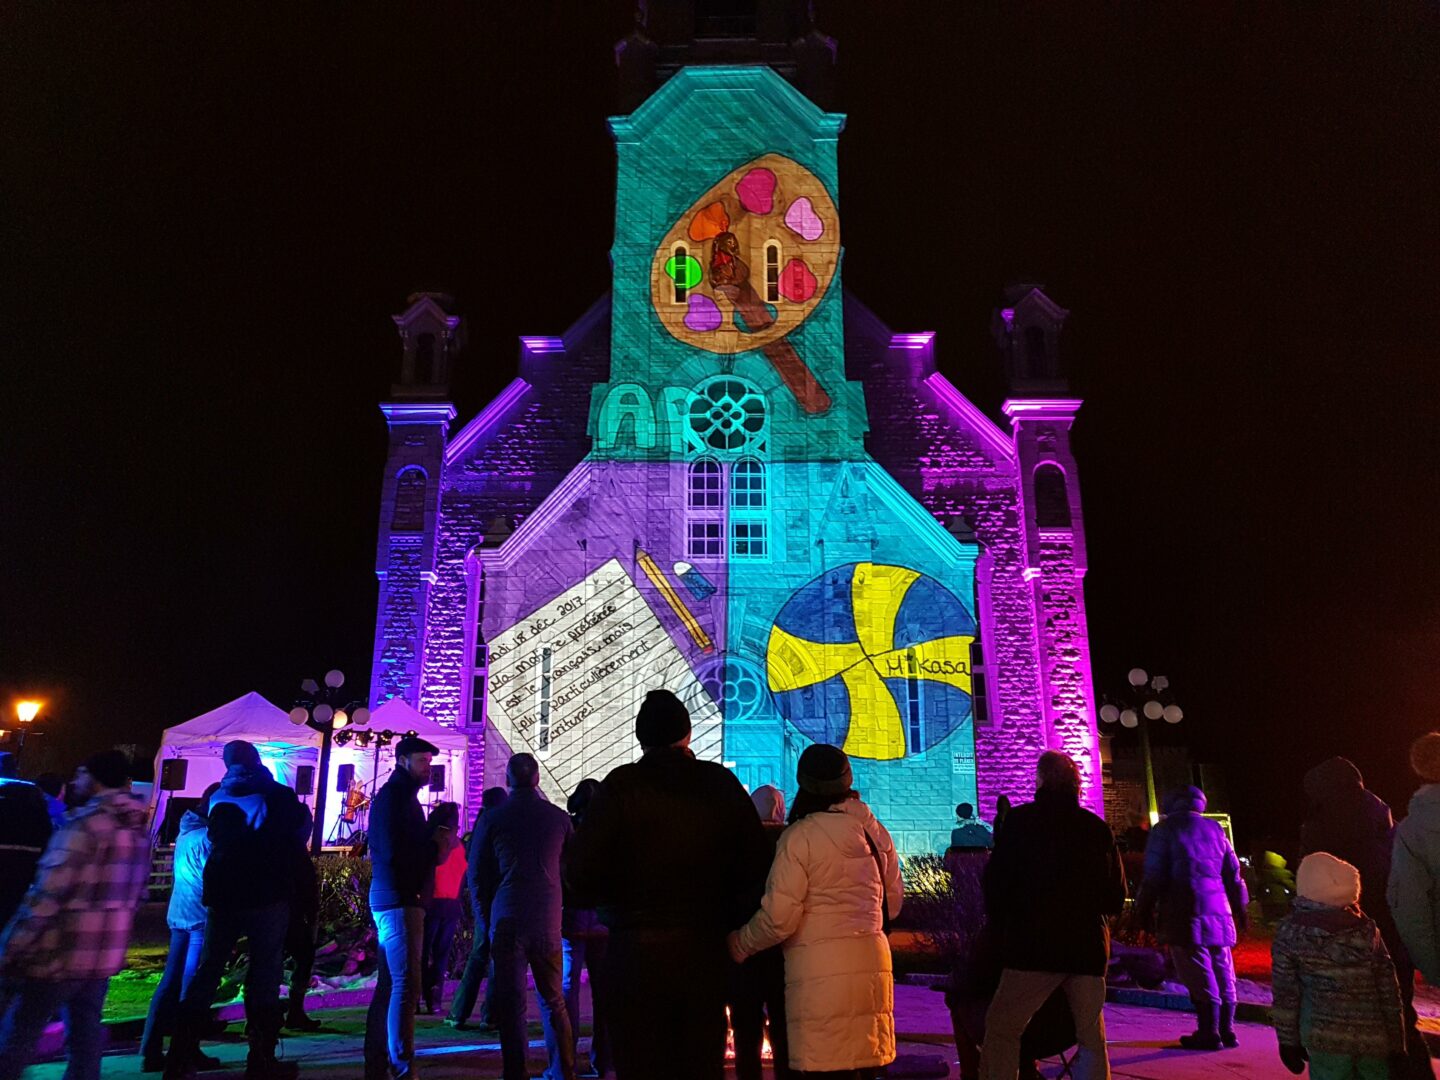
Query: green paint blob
(684, 271)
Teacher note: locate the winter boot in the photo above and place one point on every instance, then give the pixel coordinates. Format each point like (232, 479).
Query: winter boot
(183, 1060)
(297, 1019)
(1228, 1038)
(1206, 1037)
(262, 1064)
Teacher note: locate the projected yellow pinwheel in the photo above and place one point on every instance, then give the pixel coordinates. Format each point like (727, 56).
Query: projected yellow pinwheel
(873, 658)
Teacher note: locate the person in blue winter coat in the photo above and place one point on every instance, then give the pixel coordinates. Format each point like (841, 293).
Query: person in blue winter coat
(249, 881)
(185, 916)
(1192, 876)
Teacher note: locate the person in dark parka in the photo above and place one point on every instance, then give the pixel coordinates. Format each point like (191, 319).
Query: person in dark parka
(1356, 826)
(249, 880)
(25, 829)
(519, 848)
(586, 939)
(1192, 876)
(670, 852)
(477, 967)
(1052, 881)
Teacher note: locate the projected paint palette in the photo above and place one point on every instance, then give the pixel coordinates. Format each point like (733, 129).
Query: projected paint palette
(748, 263)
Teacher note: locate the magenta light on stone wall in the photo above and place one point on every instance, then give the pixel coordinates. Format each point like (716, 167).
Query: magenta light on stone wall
(919, 340)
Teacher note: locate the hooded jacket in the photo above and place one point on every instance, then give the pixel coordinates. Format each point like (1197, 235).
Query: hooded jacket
(1414, 887)
(1051, 882)
(822, 904)
(187, 898)
(1334, 985)
(255, 826)
(75, 921)
(1192, 875)
(1353, 824)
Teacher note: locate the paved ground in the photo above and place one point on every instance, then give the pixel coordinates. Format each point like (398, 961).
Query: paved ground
(1142, 1046)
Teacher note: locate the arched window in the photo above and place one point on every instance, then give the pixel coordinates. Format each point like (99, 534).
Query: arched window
(408, 514)
(703, 492)
(772, 272)
(425, 372)
(680, 261)
(747, 485)
(1052, 498)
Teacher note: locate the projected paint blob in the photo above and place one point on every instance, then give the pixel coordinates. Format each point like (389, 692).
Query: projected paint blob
(873, 658)
(766, 240)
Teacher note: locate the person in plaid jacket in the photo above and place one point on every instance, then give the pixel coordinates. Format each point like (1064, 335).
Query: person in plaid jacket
(72, 929)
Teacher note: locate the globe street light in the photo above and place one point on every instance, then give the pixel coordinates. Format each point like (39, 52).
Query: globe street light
(325, 710)
(1148, 699)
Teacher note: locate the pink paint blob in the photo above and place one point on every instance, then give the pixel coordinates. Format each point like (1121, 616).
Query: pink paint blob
(802, 220)
(757, 191)
(797, 283)
(703, 315)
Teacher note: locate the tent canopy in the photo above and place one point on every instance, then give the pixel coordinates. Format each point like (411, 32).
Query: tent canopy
(249, 717)
(399, 716)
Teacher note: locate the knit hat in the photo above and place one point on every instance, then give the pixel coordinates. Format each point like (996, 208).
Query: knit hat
(240, 752)
(1425, 757)
(413, 744)
(110, 768)
(824, 770)
(1327, 880)
(663, 720)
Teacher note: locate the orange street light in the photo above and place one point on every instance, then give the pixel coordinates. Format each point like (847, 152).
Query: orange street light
(26, 711)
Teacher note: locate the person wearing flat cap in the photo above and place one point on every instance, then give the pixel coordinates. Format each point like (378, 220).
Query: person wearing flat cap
(402, 860)
(828, 901)
(669, 851)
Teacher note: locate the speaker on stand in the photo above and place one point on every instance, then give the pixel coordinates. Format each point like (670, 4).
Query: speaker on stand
(173, 772)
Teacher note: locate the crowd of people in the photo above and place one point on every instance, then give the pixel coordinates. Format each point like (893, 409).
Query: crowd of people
(682, 898)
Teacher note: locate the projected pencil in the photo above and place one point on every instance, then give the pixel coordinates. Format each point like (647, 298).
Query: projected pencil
(660, 581)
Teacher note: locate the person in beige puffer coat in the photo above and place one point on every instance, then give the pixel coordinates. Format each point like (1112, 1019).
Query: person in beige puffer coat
(835, 866)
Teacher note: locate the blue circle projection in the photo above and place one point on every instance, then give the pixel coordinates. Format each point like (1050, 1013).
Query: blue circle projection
(873, 658)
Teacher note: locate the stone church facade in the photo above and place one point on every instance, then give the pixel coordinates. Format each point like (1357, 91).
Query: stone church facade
(731, 479)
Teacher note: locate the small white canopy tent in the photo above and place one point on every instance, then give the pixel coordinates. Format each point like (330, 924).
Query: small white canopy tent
(373, 765)
(200, 742)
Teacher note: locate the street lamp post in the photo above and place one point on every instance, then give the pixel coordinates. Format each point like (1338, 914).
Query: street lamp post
(325, 710)
(1148, 699)
(25, 713)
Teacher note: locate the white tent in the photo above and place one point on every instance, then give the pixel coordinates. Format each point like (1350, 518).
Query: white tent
(200, 742)
(373, 764)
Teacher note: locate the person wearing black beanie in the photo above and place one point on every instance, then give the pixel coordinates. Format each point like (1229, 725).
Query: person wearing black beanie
(670, 850)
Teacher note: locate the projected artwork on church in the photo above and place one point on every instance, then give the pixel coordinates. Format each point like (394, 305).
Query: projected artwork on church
(731, 480)
(748, 263)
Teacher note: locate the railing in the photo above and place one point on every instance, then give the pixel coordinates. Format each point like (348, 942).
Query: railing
(162, 872)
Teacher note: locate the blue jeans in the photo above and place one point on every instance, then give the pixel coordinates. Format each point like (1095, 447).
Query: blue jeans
(390, 1023)
(512, 950)
(31, 1004)
(587, 953)
(180, 967)
(265, 928)
(477, 968)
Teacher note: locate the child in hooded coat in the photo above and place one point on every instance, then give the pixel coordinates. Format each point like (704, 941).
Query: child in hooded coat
(1337, 1003)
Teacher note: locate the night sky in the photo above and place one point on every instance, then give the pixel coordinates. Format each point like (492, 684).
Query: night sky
(210, 212)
